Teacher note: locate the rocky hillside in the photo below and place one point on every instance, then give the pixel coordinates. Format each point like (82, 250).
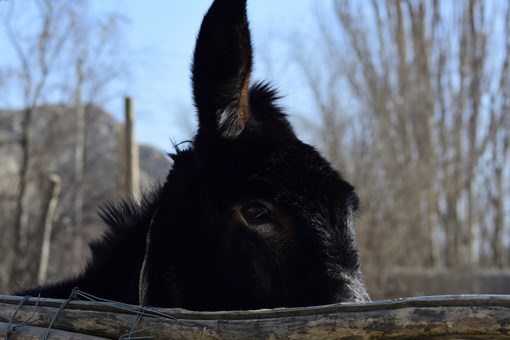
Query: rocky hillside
(53, 152)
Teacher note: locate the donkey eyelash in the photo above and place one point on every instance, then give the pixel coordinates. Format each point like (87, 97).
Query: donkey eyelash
(257, 213)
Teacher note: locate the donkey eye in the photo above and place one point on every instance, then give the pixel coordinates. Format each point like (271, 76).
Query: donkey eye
(256, 213)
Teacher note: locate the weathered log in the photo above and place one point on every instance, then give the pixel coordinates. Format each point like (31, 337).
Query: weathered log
(37, 333)
(472, 316)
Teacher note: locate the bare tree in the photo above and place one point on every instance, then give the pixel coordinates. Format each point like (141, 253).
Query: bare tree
(37, 58)
(413, 97)
(97, 63)
(65, 55)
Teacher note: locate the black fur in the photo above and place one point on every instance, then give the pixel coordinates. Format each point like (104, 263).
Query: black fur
(192, 243)
(114, 267)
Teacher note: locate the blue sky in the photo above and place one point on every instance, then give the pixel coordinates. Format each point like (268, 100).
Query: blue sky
(160, 39)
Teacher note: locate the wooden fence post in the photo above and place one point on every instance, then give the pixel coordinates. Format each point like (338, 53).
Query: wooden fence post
(132, 162)
(48, 228)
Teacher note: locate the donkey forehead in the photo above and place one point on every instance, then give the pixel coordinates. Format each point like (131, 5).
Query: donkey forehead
(286, 167)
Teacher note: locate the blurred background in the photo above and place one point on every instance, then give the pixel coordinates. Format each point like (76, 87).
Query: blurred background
(410, 100)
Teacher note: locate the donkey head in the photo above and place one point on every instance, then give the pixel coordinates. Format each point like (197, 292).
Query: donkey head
(250, 217)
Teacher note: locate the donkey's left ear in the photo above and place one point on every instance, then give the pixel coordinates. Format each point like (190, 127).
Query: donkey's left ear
(222, 65)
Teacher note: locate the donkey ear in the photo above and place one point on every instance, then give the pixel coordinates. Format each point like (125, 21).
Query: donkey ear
(222, 65)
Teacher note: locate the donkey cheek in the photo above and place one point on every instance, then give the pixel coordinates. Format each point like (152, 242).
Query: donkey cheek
(261, 276)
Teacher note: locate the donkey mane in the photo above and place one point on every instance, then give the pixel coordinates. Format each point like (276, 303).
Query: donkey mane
(126, 213)
(264, 97)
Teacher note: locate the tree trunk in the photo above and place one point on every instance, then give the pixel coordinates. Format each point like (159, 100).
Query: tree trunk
(79, 150)
(17, 235)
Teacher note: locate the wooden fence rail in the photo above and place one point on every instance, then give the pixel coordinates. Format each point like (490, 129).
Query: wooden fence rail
(451, 317)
